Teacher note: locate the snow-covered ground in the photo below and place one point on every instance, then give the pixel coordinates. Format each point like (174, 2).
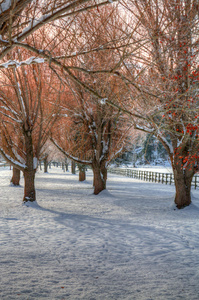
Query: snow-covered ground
(150, 168)
(126, 243)
(160, 169)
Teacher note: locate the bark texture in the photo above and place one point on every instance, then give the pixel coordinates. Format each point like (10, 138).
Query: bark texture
(15, 180)
(29, 186)
(183, 188)
(82, 175)
(66, 164)
(73, 165)
(82, 172)
(29, 172)
(99, 179)
(45, 165)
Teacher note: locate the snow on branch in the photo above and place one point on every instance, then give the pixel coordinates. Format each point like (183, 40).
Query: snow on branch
(19, 158)
(10, 117)
(103, 101)
(143, 128)
(16, 64)
(12, 161)
(65, 10)
(5, 5)
(34, 23)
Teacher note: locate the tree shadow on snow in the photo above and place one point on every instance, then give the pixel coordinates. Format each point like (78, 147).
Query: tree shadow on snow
(79, 219)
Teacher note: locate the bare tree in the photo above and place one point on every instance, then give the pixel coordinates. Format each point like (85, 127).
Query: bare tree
(90, 132)
(28, 107)
(162, 77)
(21, 18)
(15, 180)
(65, 43)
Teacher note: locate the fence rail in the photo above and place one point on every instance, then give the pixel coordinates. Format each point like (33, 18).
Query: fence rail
(164, 178)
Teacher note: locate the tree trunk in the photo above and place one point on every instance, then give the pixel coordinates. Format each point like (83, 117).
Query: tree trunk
(29, 186)
(82, 175)
(29, 171)
(104, 172)
(15, 176)
(183, 188)
(98, 180)
(66, 164)
(73, 165)
(45, 165)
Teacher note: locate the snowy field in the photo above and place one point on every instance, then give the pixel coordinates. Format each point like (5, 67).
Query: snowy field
(126, 243)
(160, 169)
(149, 168)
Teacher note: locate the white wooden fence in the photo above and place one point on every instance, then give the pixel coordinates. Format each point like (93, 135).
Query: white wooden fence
(164, 178)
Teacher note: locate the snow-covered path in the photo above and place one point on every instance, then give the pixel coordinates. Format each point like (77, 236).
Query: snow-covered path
(126, 243)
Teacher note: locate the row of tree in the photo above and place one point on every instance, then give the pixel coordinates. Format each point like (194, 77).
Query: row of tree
(41, 102)
(98, 70)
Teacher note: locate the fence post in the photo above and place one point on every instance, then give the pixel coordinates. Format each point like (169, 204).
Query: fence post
(166, 178)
